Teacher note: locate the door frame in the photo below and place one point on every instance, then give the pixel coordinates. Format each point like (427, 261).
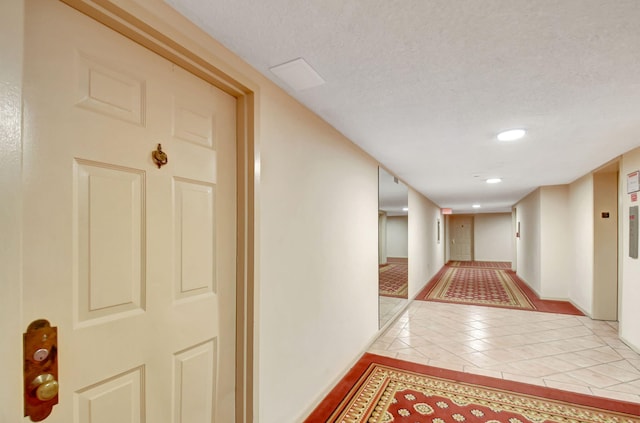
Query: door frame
(162, 30)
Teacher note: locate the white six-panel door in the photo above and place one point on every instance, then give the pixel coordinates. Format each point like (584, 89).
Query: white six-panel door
(133, 263)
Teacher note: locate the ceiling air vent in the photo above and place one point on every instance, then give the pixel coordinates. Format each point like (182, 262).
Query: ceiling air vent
(298, 74)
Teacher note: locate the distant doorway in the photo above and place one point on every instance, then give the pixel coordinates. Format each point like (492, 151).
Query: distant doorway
(461, 239)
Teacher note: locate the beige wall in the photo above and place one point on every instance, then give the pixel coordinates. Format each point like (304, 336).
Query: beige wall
(555, 245)
(630, 274)
(555, 249)
(581, 222)
(397, 236)
(318, 280)
(578, 248)
(492, 237)
(528, 244)
(426, 255)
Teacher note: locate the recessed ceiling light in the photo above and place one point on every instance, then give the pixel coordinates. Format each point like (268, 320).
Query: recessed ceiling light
(405, 209)
(494, 180)
(476, 206)
(511, 135)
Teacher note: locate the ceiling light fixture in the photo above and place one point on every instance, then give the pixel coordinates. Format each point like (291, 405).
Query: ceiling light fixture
(494, 180)
(511, 135)
(405, 209)
(476, 206)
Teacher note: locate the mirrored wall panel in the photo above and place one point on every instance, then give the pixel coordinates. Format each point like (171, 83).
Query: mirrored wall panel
(393, 246)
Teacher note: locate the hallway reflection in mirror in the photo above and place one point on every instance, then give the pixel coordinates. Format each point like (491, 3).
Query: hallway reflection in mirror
(393, 246)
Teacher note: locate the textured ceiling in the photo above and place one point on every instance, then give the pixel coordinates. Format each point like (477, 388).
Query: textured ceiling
(425, 85)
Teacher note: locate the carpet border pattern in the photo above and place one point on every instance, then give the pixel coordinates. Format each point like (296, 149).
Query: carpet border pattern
(373, 391)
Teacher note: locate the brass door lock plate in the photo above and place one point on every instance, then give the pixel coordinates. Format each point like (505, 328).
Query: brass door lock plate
(40, 348)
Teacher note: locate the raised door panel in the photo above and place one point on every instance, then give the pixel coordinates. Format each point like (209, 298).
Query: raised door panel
(120, 398)
(103, 88)
(194, 211)
(195, 383)
(109, 222)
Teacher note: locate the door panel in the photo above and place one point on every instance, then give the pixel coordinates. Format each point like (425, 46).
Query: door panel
(133, 263)
(118, 398)
(108, 219)
(461, 238)
(194, 211)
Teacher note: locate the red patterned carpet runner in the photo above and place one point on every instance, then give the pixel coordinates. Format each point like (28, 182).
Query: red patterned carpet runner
(394, 279)
(383, 389)
(479, 286)
(488, 285)
(486, 264)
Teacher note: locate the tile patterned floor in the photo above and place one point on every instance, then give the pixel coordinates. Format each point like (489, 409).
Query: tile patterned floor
(572, 353)
(389, 307)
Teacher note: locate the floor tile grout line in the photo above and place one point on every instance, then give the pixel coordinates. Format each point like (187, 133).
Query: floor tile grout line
(622, 360)
(578, 388)
(624, 384)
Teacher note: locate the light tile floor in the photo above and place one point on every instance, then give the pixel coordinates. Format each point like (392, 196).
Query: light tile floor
(572, 353)
(389, 307)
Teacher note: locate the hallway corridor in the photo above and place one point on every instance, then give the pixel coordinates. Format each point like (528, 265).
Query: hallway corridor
(572, 353)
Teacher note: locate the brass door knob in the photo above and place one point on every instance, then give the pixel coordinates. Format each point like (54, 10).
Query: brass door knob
(45, 387)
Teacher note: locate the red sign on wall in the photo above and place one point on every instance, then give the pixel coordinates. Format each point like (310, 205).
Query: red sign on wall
(634, 197)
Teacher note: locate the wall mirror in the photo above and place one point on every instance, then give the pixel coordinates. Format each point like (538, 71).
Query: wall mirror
(393, 246)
